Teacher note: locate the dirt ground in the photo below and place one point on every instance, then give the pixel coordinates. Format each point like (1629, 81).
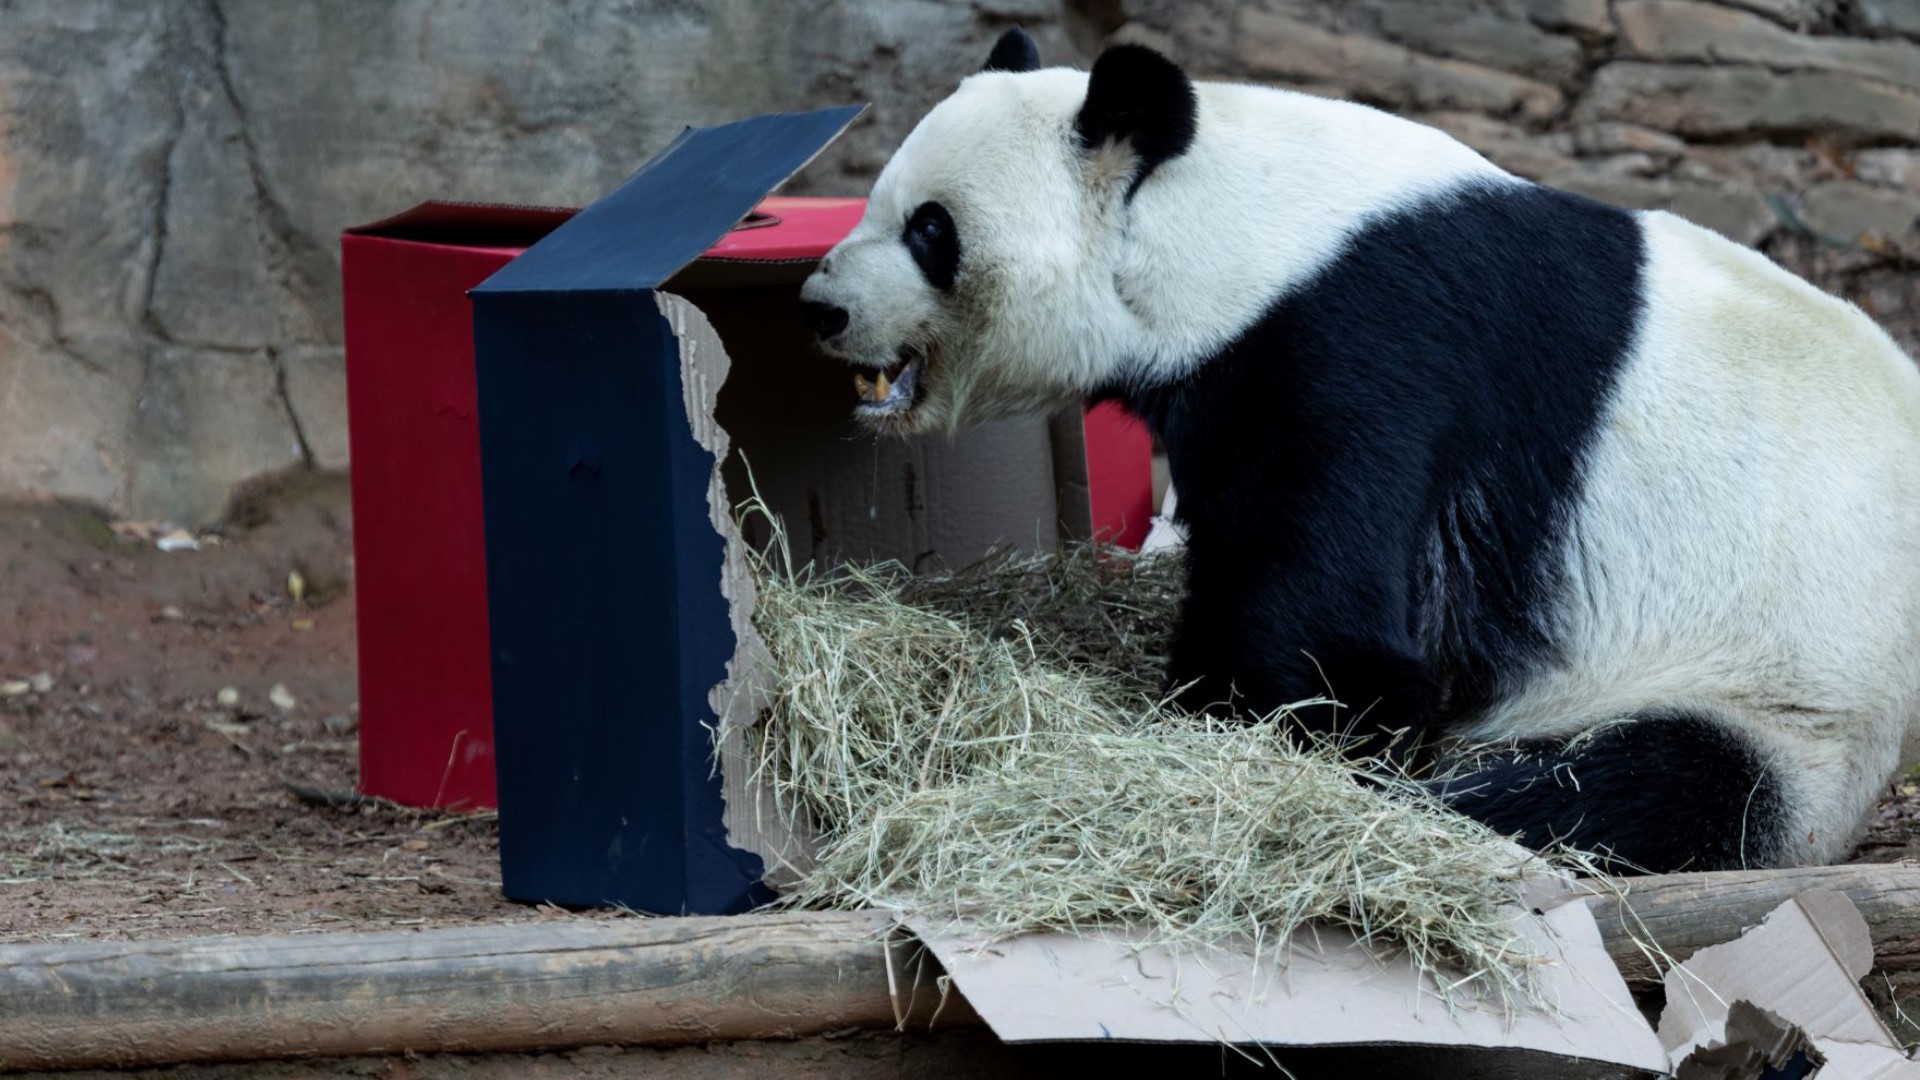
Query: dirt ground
(134, 803)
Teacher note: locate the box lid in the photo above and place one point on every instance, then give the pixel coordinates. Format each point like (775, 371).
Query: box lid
(783, 231)
(683, 201)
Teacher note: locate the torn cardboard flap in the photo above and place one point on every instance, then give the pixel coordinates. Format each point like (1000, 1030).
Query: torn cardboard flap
(1803, 966)
(775, 417)
(630, 368)
(750, 817)
(1756, 1041)
(1325, 989)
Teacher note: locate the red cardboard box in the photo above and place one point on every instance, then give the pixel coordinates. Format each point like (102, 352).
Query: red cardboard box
(426, 731)
(426, 704)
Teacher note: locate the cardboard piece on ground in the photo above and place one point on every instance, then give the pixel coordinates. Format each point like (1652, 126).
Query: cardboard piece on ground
(1803, 965)
(1756, 1041)
(1328, 990)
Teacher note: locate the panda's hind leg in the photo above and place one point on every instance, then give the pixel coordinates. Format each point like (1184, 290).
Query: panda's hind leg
(1656, 793)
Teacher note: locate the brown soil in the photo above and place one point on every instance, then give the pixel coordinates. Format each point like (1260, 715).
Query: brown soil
(134, 804)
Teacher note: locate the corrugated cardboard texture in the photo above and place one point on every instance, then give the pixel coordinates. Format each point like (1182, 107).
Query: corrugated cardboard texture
(751, 820)
(1802, 965)
(1756, 1040)
(779, 416)
(844, 495)
(1325, 990)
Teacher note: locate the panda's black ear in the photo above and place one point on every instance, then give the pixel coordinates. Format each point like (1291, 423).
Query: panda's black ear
(1014, 52)
(1139, 97)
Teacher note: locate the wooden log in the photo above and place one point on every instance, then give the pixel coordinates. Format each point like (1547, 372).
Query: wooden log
(661, 981)
(1686, 912)
(545, 986)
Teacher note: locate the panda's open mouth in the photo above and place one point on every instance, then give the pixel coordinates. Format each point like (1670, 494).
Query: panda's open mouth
(893, 389)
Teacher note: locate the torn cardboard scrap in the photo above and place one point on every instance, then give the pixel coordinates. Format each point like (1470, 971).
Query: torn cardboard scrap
(1324, 988)
(1758, 1044)
(1792, 981)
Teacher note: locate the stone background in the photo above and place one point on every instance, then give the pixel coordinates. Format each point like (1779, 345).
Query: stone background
(174, 176)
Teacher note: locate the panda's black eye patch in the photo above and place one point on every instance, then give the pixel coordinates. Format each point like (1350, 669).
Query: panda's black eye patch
(934, 243)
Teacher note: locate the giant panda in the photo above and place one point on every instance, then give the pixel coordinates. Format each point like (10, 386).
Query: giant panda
(1489, 464)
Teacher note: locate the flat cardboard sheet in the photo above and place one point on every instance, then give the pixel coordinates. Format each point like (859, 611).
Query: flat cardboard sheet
(1802, 965)
(1328, 990)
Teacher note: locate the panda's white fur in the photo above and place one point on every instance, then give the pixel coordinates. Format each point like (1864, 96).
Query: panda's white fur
(1749, 538)
(1744, 546)
(1068, 278)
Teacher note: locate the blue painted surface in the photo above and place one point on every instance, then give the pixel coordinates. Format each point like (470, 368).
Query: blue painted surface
(608, 627)
(674, 208)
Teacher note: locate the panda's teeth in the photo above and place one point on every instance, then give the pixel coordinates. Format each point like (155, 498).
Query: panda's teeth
(889, 391)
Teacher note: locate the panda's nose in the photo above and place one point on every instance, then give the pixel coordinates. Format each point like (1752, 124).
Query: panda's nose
(824, 320)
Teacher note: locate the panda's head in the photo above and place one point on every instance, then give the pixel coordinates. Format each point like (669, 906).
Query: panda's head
(982, 281)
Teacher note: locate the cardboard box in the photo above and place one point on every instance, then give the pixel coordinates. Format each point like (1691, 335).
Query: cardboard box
(632, 366)
(426, 731)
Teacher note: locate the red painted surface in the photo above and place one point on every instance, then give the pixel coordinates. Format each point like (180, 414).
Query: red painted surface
(796, 229)
(426, 712)
(1119, 475)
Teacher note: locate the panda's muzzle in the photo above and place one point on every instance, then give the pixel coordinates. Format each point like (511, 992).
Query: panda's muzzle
(892, 389)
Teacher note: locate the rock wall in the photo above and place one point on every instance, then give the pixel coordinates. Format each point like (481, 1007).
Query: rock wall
(174, 177)
(1787, 124)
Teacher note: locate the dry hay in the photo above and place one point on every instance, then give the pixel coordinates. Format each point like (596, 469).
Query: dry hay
(58, 847)
(989, 746)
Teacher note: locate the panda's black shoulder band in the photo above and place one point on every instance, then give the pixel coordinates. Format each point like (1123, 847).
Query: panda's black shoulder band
(1137, 96)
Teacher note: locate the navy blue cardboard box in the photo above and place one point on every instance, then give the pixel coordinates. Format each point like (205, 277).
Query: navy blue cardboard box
(625, 387)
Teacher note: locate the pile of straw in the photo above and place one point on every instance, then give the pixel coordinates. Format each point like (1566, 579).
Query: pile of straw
(989, 746)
